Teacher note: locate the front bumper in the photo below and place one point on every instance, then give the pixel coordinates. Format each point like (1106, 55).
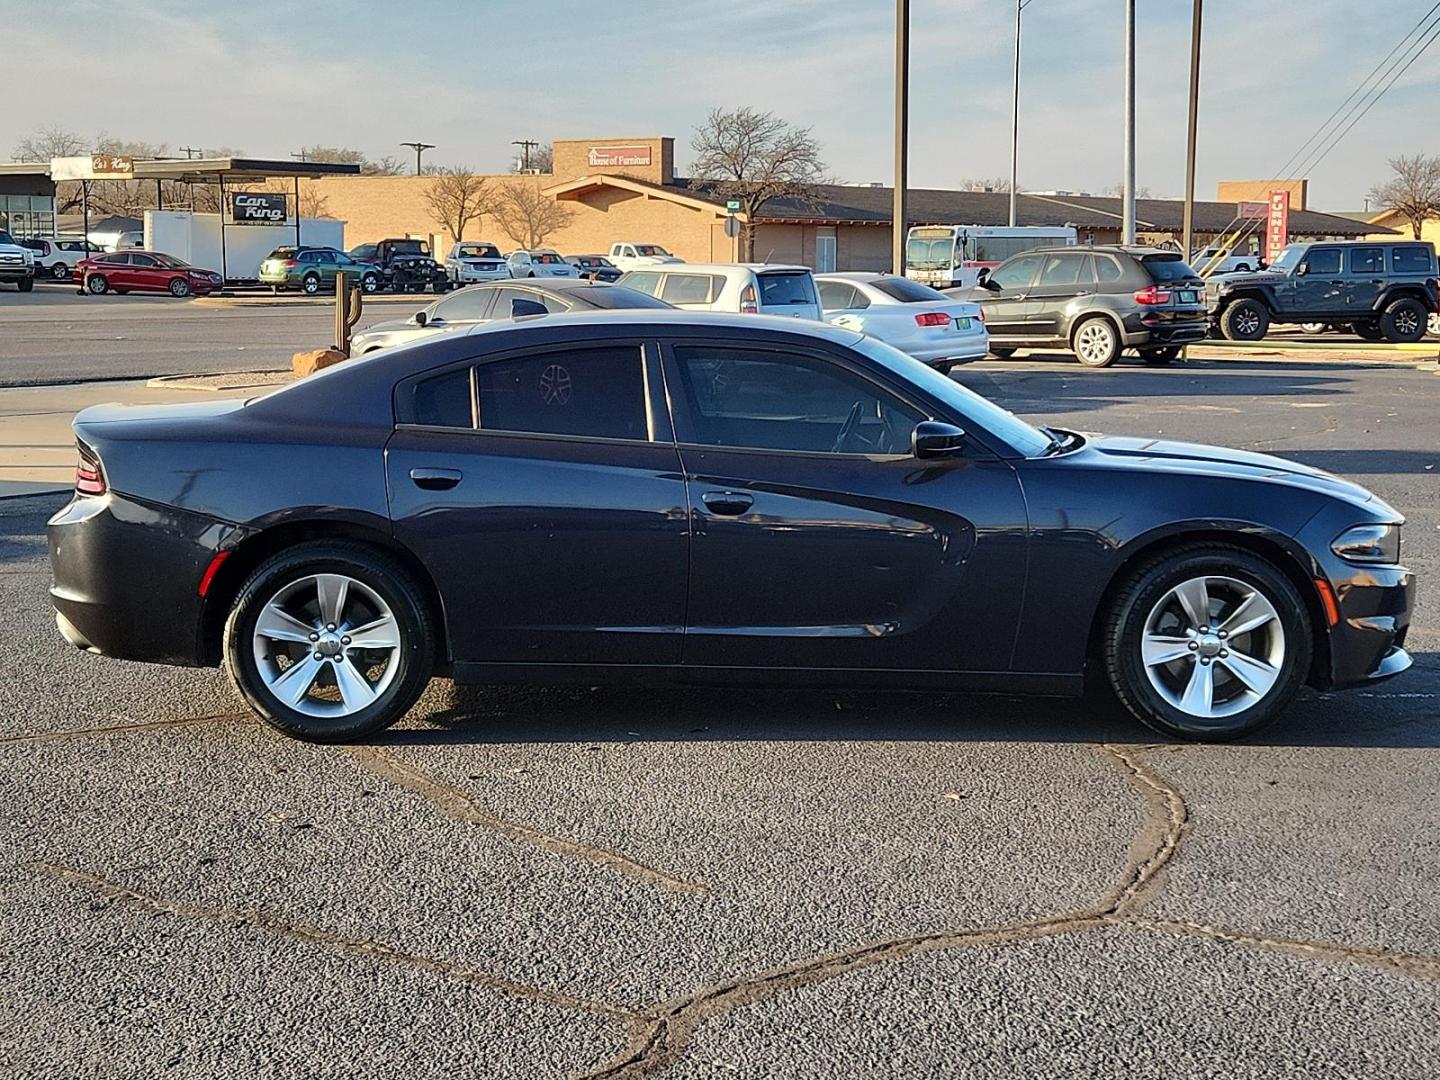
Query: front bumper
(16, 273)
(1368, 642)
(467, 274)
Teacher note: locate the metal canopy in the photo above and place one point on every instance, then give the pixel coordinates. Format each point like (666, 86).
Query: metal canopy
(208, 170)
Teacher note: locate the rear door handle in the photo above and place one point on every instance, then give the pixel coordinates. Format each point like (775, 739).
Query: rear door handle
(435, 479)
(727, 503)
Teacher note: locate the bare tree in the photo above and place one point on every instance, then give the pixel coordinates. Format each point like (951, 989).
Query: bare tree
(1413, 191)
(527, 215)
(50, 142)
(756, 157)
(313, 204)
(983, 183)
(457, 196)
(1117, 191)
(345, 155)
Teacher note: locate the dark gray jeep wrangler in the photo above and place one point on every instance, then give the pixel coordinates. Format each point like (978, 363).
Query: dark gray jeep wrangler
(1383, 290)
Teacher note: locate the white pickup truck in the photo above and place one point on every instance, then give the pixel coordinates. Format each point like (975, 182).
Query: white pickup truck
(635, 256)
(1218, 260)
(17, 264)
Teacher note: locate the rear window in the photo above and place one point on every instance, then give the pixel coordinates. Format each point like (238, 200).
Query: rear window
(907, 291)
(1168, 268)
(617, 296)
(410, 247)
(785, 290)
(283, 253)
(1412, 259)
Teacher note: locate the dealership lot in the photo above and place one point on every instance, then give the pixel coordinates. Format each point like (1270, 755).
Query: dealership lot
(705, 883)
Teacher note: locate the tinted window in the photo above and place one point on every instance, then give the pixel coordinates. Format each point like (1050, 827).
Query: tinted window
(597, 393)
(504, 297)
(1062, 269)
(282, 253)
(615, 296)
(785, 290)
(1017, 273)
(409, 247)
(467, 304)
(647, 249)
(1107, 269)
(478, 251)
(646, 281)
(444, 400)
(907, 291)
(761, 399)
(838, 296)
(546, 259)
(363, 252)
(1367, 260)
(142, 260)
(1168, 268)
(686, 288)
(1323, 261)
(1411, 259)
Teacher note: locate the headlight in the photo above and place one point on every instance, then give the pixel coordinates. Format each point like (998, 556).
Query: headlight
(1369, 544)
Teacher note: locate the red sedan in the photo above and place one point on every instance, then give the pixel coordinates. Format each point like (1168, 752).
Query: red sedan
(144, 271)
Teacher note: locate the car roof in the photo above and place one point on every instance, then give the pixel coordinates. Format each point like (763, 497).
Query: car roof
(861, 276)
(660, 318)
(559, 284)
(720, 268)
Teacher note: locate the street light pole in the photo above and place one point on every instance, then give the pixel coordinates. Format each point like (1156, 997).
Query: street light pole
(902, 134)
(1187, 231)
(1128, 229)
(419, 148)
(1015, 117)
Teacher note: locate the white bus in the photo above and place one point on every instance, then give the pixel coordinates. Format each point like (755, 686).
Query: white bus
(948, 256)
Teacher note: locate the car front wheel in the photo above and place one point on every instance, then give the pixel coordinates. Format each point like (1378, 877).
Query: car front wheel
(1207, 642)
(370, 283)
(1245, 320)
(179, 287)
(330, 641)
(1432, 324)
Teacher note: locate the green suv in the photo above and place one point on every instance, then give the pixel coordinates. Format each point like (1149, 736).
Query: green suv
(311, 269)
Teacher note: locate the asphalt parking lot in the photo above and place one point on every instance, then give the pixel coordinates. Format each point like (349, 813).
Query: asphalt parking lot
(594, 883)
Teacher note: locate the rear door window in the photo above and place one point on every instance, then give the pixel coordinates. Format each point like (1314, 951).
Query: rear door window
(443, 401)
(1064, 269)
(645, 281)
(584, 392)
(687, 289)
(1107, 269)
(785, 290)
(838, 296)
(1367, 260)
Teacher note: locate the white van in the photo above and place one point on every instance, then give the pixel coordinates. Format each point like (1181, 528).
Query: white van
(749, 288)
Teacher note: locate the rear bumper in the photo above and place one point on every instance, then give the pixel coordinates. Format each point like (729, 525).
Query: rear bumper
(972, 347)
(1164, 331)
(126, 577)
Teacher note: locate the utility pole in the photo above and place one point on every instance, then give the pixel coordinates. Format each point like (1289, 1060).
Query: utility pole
(1187, 232)
(1127, 235)
(191, 152)
(526, 145)
(1015, 117)
(902, 134)
(419, 148)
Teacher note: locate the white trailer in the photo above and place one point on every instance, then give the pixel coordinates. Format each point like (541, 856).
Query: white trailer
(196, 239)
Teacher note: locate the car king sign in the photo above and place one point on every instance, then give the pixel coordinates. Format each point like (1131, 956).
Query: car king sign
(257, 208)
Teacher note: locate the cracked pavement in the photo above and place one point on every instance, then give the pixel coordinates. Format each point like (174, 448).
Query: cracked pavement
(592, 883)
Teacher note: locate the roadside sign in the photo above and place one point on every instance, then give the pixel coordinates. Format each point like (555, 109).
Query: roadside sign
(732, 227)
(258, 208)
(732, 206)
(93, 167)
(1277, 228)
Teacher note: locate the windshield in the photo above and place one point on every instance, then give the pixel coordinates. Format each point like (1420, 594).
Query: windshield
(410, 247)
(1028, 440)
(545, 258)
(907, 291)
(5, 237)
(650, 249)
(1288, 257)
(479, 251)
(930, 254)
(170, 261)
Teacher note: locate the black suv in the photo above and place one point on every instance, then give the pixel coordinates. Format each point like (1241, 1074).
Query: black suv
(1095, 301)
(1383, 290)
(406, 263)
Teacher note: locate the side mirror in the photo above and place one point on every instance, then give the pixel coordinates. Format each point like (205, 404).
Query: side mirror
(983, 276)
(935, 438)
(520, 307)
(421, 318)
(1302, 270)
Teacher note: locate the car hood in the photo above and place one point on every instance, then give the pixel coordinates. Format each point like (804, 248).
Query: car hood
(388, 327)
(1217, 461)
(1246, 277)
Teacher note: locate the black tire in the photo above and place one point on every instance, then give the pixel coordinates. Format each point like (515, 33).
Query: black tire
(1403, 320)
(439, 286)
(60, 271)
(373, 569)
(179, 288)
(96, 285)
(26, 284)
(1095, 342)
(1160, 357)
(1002, 352)
(1368, 331)
(1245, 320)
(310, 284)
(369, 284)
(1242, 268)
(1132, 607)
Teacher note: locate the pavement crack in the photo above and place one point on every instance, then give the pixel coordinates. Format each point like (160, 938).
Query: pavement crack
(114, 729)
(1413, 964)
(461, 806)
(1155, 845)
(280, 926)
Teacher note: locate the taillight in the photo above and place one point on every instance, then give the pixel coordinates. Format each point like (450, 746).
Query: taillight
(932, 318)
(748, 306)
(1152, 295)
(89, 480)
(980, 314)
(290, 264)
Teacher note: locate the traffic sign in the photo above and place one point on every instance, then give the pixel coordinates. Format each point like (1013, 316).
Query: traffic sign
(733, 206)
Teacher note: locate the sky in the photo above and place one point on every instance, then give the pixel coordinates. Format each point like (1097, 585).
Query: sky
(471, 75)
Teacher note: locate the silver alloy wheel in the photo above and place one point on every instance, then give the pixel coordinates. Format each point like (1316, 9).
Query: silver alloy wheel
(1248, 321)
(312, 285)
(1407, 321)
(60, 271)
(1213, 647)
(327, 645)
(1095, 341)
(1432, 324)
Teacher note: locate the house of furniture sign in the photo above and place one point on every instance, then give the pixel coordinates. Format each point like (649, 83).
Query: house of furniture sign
(618, 155)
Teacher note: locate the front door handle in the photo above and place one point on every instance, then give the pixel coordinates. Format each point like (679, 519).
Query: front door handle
(435, 479)
(727, 503)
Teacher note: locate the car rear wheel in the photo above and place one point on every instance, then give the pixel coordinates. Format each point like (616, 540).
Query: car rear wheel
(1160, 357)
(1404, 320)
(311, 284)
(1001, 351)
(60, 271)
(26, 284)
(96, 285)
(1096, 342)
(179, 287)
(1432, 324)
(330, 641)
(1245, 320)
(1207, 642)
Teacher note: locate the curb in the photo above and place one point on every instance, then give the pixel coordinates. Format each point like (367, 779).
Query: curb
(298, 301)
(1430, 348)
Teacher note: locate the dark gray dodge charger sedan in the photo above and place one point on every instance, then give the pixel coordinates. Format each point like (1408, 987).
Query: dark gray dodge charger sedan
(669, 496)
